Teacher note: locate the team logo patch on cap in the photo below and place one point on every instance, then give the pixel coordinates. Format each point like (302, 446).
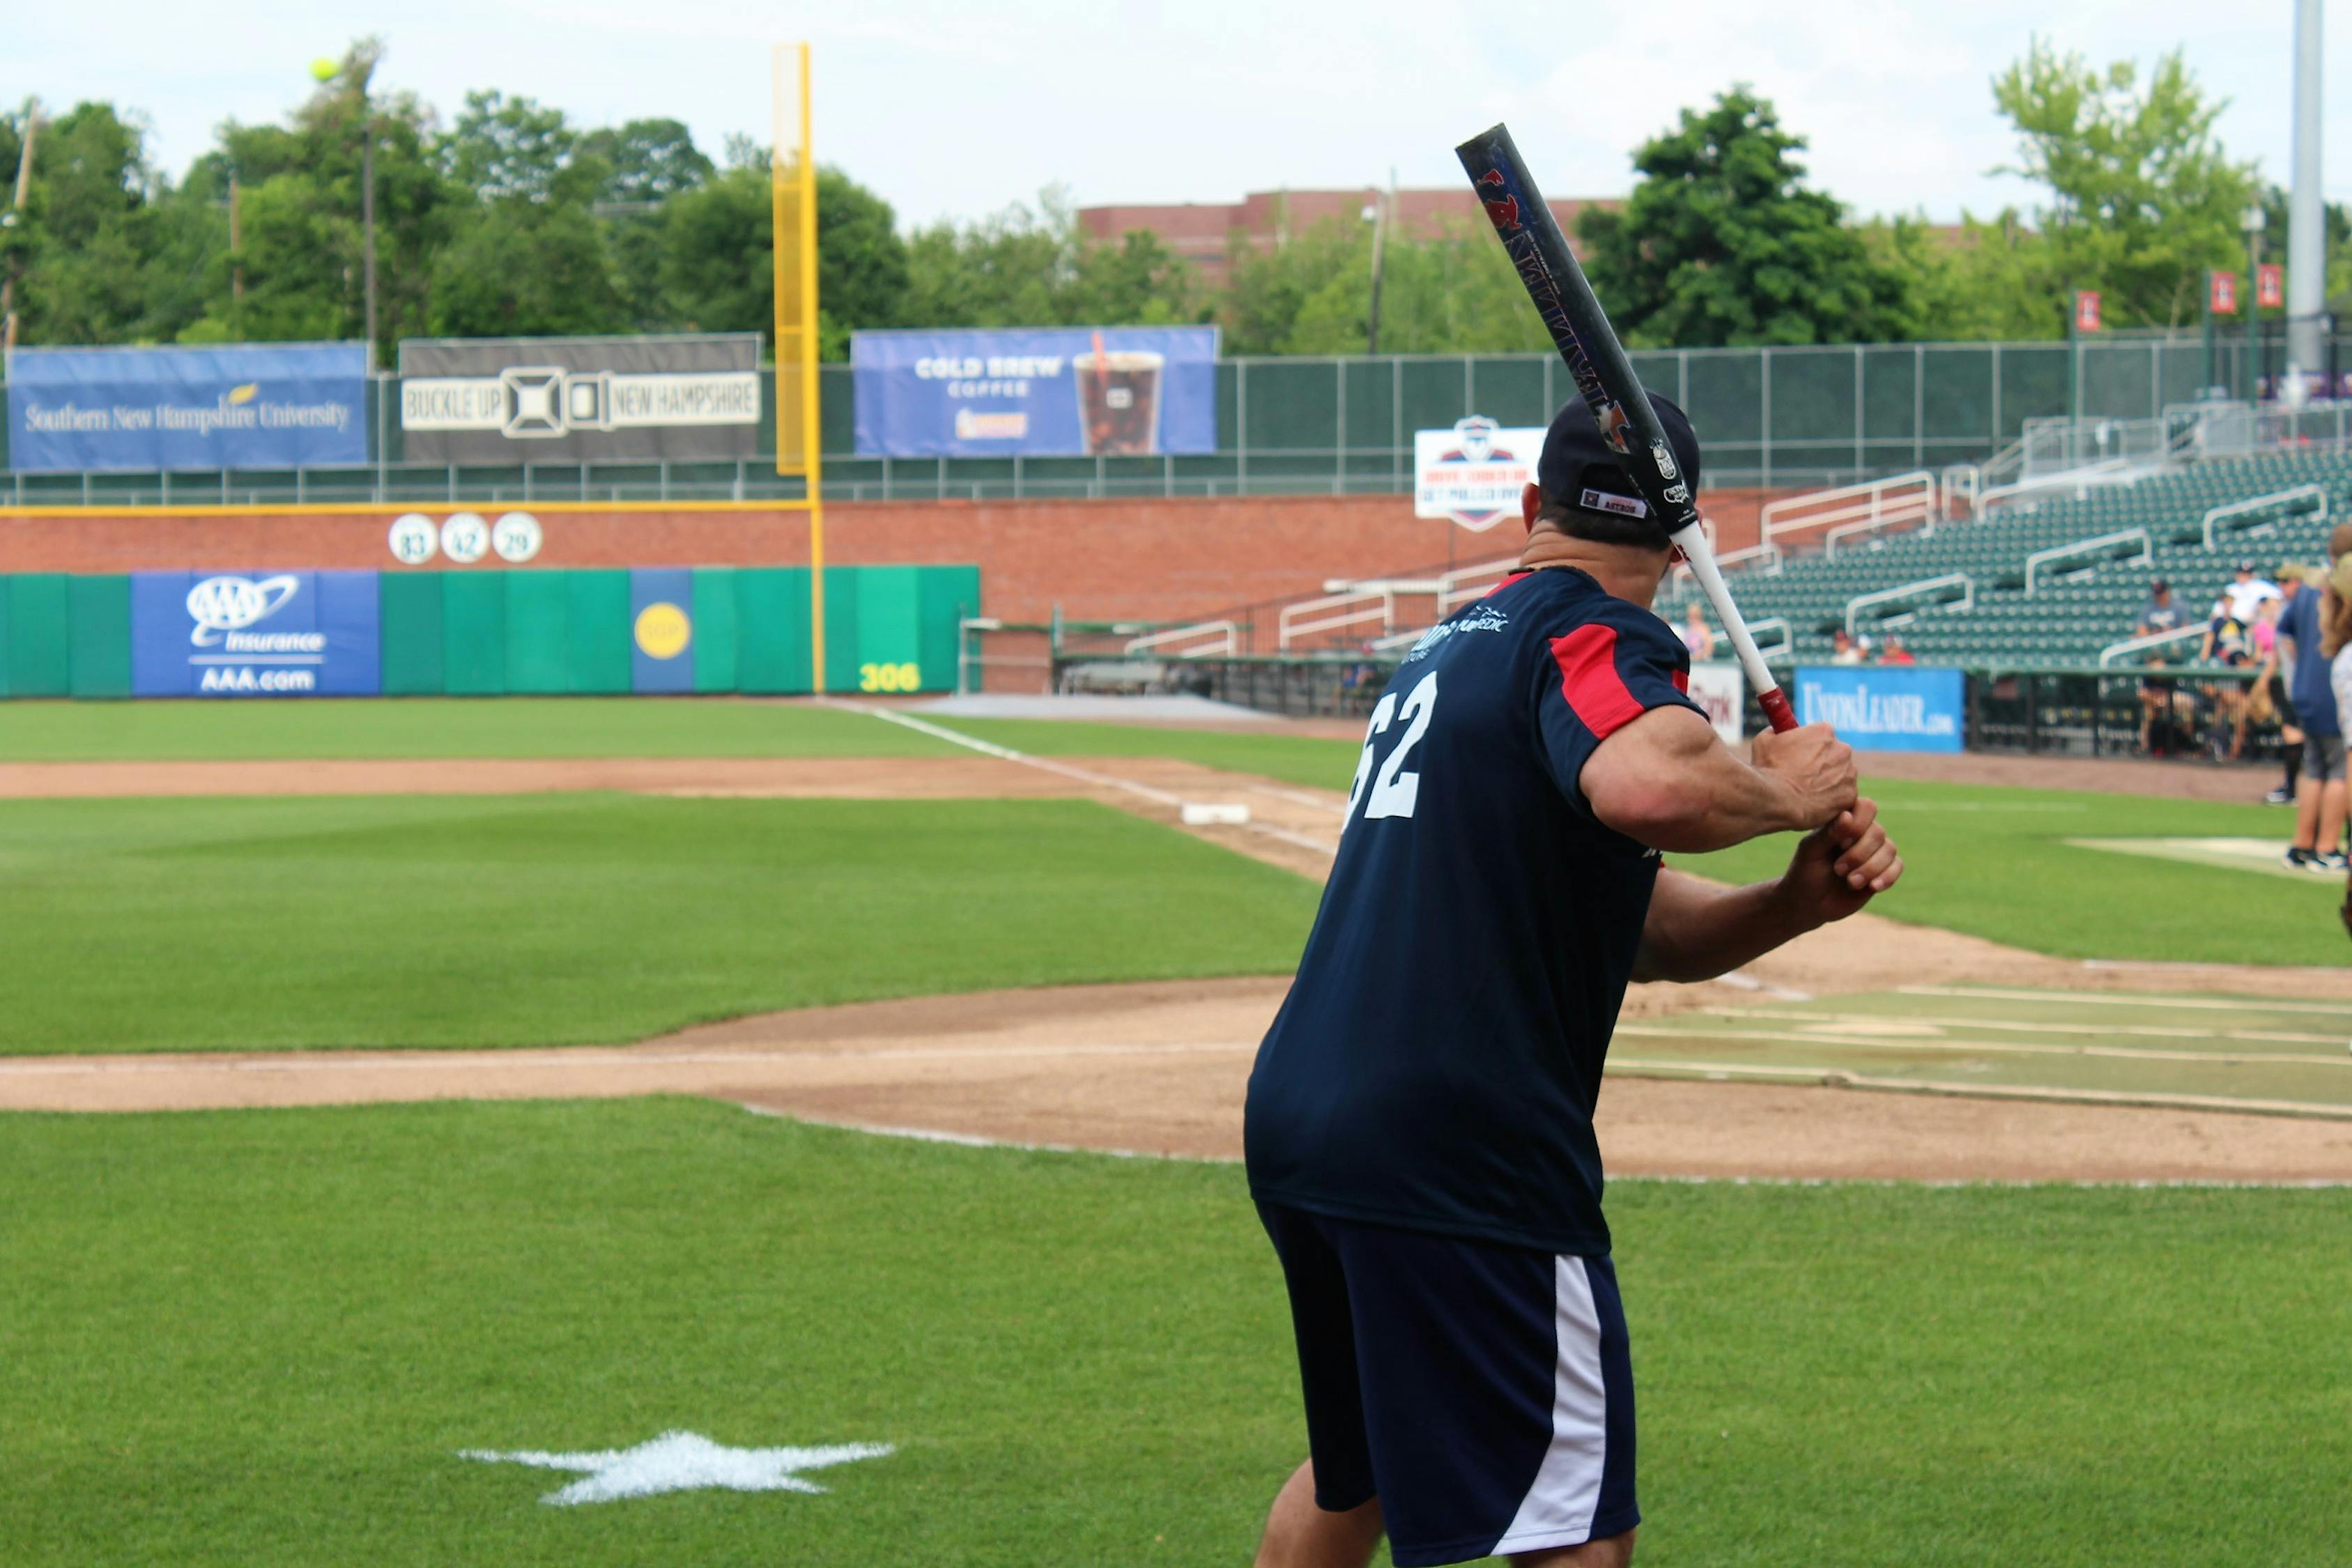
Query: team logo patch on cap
(1624, 506)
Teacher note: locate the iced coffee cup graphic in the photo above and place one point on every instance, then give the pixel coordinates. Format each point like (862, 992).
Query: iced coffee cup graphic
(1118, 399)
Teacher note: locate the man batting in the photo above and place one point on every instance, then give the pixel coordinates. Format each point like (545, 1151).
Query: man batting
(1419, 1120)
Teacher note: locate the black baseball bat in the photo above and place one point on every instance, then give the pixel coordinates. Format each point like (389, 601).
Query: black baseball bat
(1603, 375)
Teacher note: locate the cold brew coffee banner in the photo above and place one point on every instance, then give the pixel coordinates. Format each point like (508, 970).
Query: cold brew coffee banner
(1063, 392)
(573, 400)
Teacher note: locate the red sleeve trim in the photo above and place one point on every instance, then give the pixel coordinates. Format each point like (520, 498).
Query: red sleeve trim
(1682, 681)
(1587, 657)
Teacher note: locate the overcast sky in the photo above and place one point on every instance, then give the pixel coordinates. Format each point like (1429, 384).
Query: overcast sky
(956, 109)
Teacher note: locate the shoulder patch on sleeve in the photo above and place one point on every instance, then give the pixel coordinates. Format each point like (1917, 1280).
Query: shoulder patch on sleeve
(1587, 657)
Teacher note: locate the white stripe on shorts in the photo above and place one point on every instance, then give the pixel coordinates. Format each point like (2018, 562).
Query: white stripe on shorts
(1559, 1508)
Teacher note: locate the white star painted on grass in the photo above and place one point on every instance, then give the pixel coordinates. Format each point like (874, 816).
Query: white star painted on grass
(682, 1461)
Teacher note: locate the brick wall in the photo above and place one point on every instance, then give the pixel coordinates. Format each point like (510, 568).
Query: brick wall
(1155, 560)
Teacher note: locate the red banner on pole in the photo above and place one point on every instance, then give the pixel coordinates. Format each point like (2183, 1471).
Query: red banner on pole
(2223, 292)
(2270, 286)
(2086, 309)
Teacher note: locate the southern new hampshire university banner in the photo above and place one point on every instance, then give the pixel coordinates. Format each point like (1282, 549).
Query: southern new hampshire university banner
(568, 400)
(1059, 392)
(272, 406)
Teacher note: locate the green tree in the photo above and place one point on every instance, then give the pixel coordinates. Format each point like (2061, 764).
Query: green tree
(89, 229)
(1028, 267)
(718, 270)
(1722, 243)
(2143, 197)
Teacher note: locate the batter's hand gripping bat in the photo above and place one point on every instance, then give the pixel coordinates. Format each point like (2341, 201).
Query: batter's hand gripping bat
(1597, 362)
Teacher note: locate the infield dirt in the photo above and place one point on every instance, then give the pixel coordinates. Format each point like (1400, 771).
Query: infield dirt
(1160, 1067)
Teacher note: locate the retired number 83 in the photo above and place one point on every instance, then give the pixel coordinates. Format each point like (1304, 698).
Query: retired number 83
(890, 677)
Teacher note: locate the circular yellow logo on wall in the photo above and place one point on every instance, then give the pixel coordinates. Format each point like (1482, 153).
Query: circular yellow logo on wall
(663, 630)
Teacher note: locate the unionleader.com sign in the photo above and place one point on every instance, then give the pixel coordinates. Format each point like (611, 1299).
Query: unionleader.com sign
(1880, 710)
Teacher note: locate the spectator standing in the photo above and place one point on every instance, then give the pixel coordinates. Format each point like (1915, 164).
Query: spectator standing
(1843, 649)
(1892, 651)
(2276, 678)
(2246, 593)
(2319, 799)
(1697, 634)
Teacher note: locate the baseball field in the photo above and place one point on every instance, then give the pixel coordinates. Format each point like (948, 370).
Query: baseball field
(634, 1131)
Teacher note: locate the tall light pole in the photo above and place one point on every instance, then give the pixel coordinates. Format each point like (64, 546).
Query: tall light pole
(14, 216)
(2255, 348)
(361, 66)
(2306, 230)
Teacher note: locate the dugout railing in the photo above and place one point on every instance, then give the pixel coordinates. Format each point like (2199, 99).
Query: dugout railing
(2207, 712)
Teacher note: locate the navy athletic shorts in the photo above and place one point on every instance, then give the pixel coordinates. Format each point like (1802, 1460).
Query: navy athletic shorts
(1483, 1392)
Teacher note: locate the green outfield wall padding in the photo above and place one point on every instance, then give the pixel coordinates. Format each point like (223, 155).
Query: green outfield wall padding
(889, 628)
(772, 629)
(474, 633)
(40, 634)
(101, 657)
(714, 613)
(949, 594)
(599, 631)
(539, 632)
(842, 630)
(410, 606)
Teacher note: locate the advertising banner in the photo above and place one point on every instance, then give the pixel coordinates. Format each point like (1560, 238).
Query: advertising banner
(1473, 472)
(274, 405)
(575, 400)
(661, 629)
(1876, 709)
(1721, 691)
(1072, 391)
(255, 634)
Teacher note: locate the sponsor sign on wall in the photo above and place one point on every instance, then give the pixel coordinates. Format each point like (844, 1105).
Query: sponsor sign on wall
(255, 634)
(567, 400)
(1721, 692)
(1075, 391)
(278, 405)
(1875, 708)
(1473, 472)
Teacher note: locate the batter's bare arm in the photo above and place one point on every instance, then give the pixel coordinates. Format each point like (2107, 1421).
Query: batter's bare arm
(1667, 779)
(1696, 929)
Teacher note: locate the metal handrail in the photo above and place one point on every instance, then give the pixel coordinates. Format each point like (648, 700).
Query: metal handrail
(1873, 501)
(2257, 503)
(1787, 643)
(1451, 591)
(2085, 546)
(1227, 631)
(2114, 651)
(2111, 472)
(1375, 603)
(1967, 600)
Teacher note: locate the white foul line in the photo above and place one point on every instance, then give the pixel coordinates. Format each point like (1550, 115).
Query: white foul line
(1066, 770)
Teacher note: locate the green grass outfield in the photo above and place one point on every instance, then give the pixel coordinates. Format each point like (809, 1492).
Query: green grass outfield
(219, 923)
(261, 1338)
(1995, 862)
(600, 727)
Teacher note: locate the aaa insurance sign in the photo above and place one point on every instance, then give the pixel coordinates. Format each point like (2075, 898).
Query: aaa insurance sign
(1473, 473)
(254, 634)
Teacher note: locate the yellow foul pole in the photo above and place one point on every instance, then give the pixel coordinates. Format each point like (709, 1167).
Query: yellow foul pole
(793, 211)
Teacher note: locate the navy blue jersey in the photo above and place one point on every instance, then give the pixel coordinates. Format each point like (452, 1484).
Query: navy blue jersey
(2314, 697)
(1436, 1064)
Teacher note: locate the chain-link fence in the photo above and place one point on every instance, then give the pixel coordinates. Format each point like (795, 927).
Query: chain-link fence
(1777, 418)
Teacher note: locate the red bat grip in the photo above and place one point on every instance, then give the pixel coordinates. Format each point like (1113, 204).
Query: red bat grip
(1777, 711)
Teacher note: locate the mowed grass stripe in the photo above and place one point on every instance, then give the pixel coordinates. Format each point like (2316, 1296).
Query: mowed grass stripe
(2010, 876)
(259, 1339)
(530, 727)
(238, 924)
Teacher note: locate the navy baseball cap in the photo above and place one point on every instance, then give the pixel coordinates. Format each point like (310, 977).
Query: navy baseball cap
(1579, 472)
